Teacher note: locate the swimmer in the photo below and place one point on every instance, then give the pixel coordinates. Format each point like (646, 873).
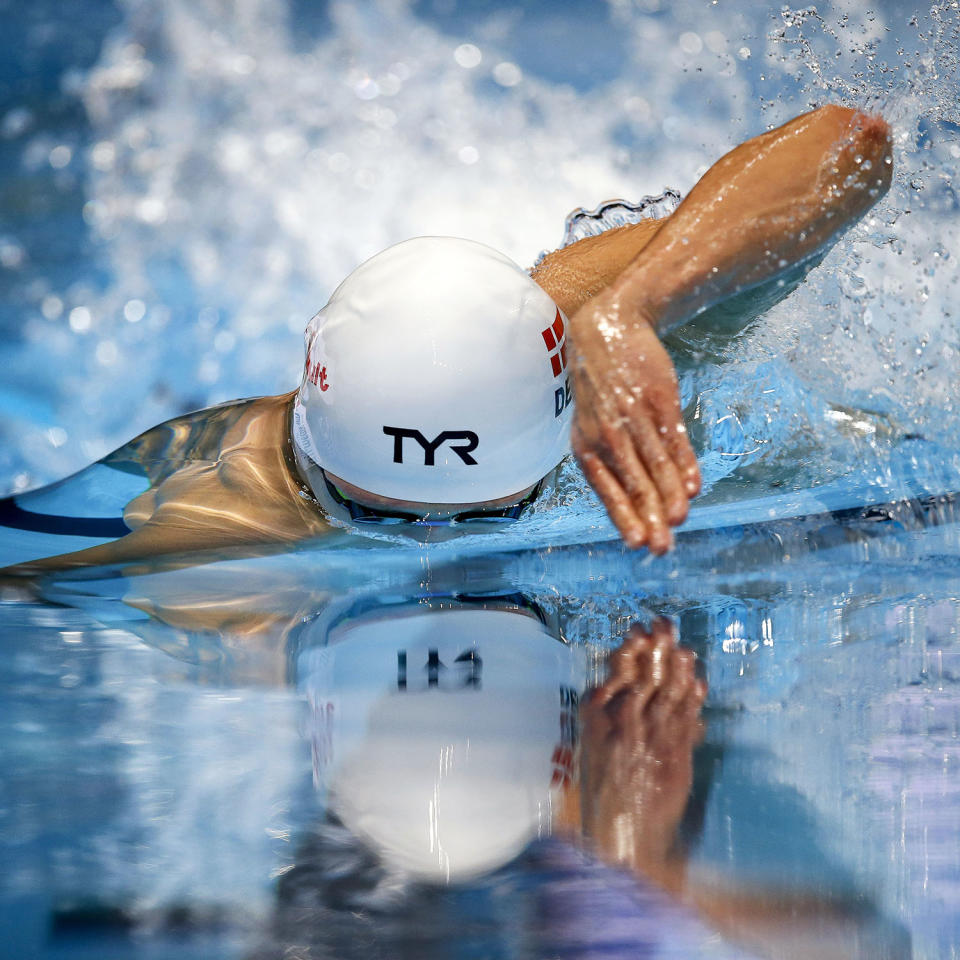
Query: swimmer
(439, 378)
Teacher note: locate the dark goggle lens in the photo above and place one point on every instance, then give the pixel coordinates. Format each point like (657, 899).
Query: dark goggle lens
(363, 514)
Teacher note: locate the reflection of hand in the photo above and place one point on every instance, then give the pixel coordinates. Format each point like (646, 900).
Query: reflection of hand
(639, 730)
(628, 431)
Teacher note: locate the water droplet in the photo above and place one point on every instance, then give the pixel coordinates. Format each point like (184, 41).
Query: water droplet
(367, 88)
(467, 55)
(690, 42)
(12, 254)
(51, 307)
(80, 319)
(468, 155)
(107, 353)
(507, 74)
(133, 311)
(60, 156)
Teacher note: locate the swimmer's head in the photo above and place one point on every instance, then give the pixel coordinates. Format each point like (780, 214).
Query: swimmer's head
(435, 377)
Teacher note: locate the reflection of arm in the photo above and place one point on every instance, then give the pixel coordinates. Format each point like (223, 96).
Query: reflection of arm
(778, 923)
(792, 924)
(638, 732)
(789, 924)
(241, 633)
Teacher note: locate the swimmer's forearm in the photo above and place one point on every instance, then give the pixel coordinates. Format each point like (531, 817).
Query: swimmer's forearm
(772, 202)
(576, 273)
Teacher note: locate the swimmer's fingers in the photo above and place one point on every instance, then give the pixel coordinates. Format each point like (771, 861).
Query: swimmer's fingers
(660, 433)
(637, 469)
(649, 402)
(680, 672)
(673, 431)
(628, 432)
(625, 487)
(652, 452)
(614, 498)
(624, 665)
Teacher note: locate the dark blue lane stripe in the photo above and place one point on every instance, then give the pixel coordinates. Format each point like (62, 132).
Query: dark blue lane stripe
(19, 519)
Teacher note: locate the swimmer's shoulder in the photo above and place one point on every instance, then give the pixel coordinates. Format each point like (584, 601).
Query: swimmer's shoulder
(200, 436)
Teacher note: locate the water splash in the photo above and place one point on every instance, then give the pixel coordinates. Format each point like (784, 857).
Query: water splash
(610, 214)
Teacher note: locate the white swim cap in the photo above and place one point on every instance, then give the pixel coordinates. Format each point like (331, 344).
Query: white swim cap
(441, 736)
(436, 373)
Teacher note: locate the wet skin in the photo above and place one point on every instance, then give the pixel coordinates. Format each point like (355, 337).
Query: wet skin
(768, 205)
(639, 731)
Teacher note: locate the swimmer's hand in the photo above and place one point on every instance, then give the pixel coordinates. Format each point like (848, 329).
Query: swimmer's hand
(628, 431)
(772, 203)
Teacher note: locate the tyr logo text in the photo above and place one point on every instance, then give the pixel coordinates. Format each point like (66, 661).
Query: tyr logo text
(462, 450)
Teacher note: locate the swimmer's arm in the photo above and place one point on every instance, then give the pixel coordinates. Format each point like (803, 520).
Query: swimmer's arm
(772, 922)
(572, 276)
(248, 500)
(148, 545)
(195, 529)
(772, 202)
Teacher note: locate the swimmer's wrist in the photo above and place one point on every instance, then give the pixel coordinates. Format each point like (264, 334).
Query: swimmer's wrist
(667, 291)
(635, 305)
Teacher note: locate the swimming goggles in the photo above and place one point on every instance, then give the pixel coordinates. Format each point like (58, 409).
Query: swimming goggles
(359, 513)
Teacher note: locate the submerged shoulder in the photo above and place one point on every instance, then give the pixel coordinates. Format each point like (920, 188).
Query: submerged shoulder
(203, 435)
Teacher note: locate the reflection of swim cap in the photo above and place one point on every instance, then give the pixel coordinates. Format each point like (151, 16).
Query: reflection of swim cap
(436, 373)
(440, 734)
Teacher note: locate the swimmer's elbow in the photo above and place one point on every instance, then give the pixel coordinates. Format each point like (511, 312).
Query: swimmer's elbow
(868, 132)
(859, 163)
(873, 141)
(877, 138)
(854, 119)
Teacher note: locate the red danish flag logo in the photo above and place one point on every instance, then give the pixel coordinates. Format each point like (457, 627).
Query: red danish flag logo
(556, 343)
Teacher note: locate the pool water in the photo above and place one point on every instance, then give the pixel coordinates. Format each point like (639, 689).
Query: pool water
(160, 751)
(205, 759)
